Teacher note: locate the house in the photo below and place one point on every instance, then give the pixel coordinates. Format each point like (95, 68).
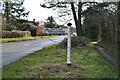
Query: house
(35, 27)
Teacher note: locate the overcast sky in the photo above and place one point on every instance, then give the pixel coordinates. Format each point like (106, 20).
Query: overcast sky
(38, 13)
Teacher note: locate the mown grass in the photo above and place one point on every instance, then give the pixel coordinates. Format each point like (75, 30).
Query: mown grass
(50, 62)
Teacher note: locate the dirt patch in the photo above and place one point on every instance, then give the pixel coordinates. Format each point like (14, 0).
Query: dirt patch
(79, 67)
(55, 71)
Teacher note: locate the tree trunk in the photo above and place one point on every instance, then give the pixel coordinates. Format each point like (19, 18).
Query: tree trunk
(79, 19)
(74, 13)
(118, 38)
(75, 18)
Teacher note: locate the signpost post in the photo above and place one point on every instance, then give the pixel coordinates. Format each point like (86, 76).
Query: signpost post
(69, 44)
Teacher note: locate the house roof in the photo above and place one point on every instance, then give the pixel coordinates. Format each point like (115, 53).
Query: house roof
(36, 23)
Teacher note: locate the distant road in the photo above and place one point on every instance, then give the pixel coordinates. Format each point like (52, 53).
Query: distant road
(16, 50)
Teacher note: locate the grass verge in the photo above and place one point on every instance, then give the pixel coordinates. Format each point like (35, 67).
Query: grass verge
(51, 63)
(4, 40)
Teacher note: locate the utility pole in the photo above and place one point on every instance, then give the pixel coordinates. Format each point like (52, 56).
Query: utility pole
(69, 44)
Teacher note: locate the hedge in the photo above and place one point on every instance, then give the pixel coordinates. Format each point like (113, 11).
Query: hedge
(14, 34)
(5, 34)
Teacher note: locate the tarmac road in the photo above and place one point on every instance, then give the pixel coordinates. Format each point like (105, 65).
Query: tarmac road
(15, 50)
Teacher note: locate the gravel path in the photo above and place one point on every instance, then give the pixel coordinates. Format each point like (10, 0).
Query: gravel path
(112, 59)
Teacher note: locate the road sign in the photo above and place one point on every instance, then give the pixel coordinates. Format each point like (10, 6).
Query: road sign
(69, 44)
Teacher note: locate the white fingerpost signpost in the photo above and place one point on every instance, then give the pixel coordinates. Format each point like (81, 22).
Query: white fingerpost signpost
(69, 44)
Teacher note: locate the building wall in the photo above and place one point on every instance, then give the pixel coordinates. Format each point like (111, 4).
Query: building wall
(37, 31)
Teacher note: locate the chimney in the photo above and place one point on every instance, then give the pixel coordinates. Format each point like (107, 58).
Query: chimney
(33, 20)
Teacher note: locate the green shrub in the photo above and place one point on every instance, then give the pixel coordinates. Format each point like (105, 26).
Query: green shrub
(75, 42)
(16, 34)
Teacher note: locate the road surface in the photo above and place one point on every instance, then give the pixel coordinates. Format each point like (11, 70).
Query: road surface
(16, 50)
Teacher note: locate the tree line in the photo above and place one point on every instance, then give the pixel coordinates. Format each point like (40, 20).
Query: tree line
(13, 13)
(100, 20)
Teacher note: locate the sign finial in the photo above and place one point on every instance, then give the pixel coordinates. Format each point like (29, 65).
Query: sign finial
(69, 24)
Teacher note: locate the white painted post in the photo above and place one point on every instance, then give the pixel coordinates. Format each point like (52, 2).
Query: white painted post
(69, 44)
